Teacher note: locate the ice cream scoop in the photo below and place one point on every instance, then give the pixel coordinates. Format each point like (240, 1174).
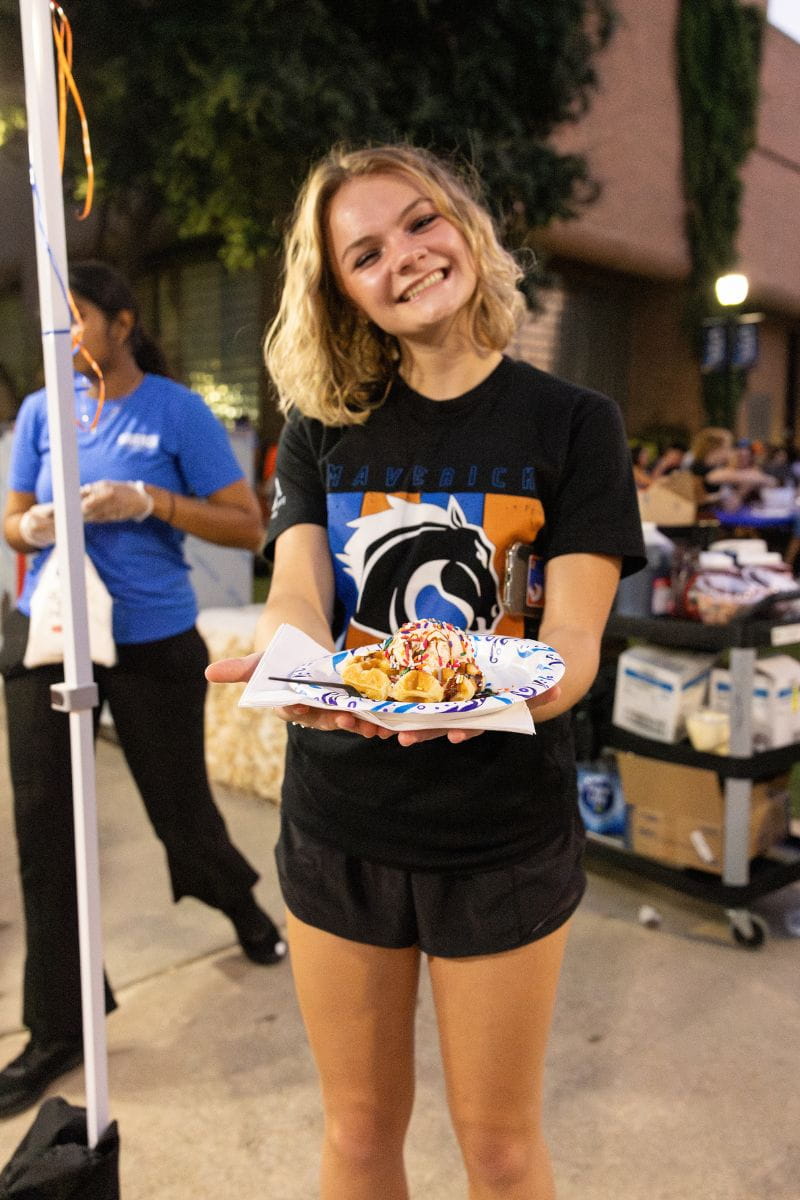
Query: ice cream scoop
(429, 645)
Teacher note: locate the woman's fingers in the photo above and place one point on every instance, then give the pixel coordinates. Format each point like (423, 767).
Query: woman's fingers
(232, 670)
(347, 722)
(412, 737)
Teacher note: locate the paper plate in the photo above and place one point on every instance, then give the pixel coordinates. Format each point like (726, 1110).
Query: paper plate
(514, 669)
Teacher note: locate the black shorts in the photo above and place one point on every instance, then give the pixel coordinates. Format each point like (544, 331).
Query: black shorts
(446, 915)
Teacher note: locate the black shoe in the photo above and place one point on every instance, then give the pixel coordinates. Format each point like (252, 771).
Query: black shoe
(258, 936)
(31, 1073)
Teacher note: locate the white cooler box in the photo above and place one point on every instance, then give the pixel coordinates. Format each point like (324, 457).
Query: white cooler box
(776, 700)
(656, 688)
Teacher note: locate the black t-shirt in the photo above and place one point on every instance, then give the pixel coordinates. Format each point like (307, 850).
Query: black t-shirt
(420, 504)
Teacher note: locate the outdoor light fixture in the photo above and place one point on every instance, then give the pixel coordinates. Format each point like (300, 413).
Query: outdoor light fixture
(733, 343)
(731, 289)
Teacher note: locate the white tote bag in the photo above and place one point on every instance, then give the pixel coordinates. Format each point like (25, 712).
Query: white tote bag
(46, 633)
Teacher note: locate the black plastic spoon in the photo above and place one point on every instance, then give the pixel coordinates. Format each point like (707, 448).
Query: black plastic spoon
(345, 687)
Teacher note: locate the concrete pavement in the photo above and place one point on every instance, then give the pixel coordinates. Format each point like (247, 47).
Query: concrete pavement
(672, 1066)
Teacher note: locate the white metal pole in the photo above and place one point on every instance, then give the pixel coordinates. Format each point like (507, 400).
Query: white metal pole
(79, 694)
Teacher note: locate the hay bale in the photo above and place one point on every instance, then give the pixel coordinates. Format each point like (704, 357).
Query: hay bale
(244, 746)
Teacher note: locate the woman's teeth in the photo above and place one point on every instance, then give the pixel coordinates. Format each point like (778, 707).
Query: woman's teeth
(418, 288)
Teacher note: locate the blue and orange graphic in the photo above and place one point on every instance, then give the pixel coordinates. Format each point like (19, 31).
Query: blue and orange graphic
(401, 556)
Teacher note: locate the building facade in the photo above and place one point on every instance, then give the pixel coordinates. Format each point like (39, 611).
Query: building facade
(625, 261)
(613, 318)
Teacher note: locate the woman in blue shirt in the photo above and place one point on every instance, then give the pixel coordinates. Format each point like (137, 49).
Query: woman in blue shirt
(158, 465)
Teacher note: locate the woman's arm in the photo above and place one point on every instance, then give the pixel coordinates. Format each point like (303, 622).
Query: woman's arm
(17, 504)
(228, 517)
(301, 594)
(579, 592)
(743, 476)
(301, 589)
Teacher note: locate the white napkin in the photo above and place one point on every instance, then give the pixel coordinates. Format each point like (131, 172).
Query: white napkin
(290, 648)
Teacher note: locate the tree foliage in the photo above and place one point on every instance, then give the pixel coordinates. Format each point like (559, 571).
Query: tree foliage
(719, 55)
(719, 52)
(210, 113)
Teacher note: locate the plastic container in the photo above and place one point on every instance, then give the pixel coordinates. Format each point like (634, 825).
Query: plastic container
(718, 590)
(739, 548)
(777, 500)
(709, 731)
(600, 799)
(770, 571)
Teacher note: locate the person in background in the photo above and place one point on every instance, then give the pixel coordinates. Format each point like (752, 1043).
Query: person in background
(641, 462)
(777, 462)
(157, 467)
(414, 454)
(725, 471)
(672, 459)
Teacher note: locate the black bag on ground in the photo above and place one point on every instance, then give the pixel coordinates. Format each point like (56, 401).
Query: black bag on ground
(53, 1161)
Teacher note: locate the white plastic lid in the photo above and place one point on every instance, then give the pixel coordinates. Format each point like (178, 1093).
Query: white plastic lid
(771, 559)
(708, 559)
(737, 545)
(751, 556)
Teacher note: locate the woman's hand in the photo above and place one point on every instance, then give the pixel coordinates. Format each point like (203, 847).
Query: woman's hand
(37, 526)
(413, 736)
(232, 670)
(348, 722)
(549, 697)
(331, 719)
(115, 500)
(240, 670)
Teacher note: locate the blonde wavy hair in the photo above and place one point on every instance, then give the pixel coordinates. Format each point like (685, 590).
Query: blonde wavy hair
(325, 360)
(709, 439)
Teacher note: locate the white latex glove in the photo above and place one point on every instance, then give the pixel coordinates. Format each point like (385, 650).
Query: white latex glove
(37, 525)
(112, 500)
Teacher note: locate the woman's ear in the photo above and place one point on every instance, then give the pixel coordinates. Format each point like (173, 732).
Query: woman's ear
(123, 324)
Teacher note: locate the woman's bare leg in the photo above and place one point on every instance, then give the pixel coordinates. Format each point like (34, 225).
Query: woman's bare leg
(358, 1005)
(494, 1014)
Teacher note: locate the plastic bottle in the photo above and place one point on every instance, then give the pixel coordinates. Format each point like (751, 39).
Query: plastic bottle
(600, 799)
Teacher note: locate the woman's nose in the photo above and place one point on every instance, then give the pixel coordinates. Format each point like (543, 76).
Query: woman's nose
(408, 257)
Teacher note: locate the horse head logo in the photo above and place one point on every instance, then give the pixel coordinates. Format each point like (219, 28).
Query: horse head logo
(414, 560)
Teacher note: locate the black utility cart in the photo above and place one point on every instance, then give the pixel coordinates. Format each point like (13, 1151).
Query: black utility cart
(742, 880)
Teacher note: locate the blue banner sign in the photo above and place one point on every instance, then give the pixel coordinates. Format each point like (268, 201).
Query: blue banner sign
(740, 341)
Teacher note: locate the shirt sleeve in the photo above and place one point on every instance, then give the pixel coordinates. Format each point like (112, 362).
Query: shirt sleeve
(26, 455)
(595, 508)
(205, 455)
(300, 495)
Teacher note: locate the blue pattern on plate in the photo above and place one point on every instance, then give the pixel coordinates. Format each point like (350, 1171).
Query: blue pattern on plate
(520, 667)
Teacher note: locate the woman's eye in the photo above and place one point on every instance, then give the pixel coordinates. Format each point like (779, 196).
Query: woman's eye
(364, 260)
(423, 222)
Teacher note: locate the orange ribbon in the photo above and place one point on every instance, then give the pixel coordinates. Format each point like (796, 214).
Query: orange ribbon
(62, 36)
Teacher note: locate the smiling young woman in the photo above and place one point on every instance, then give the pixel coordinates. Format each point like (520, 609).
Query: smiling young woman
(414, 455)
(405, 267)
(322, 346)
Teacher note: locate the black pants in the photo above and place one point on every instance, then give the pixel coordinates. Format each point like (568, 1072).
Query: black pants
(156, 695)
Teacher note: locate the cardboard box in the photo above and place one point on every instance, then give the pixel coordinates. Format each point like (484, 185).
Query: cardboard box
(672, 500)
(676, 814)
(776, 700)
(656, 688)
